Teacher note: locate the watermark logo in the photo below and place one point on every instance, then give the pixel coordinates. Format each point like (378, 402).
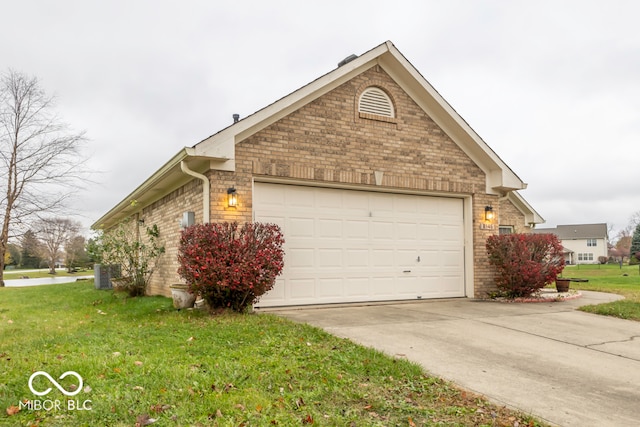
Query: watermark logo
(55, 383)
(56, 405)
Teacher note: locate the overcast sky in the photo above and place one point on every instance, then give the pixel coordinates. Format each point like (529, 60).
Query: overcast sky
(552, 86)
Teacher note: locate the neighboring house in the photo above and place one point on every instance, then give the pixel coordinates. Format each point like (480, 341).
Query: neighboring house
(382, 190)
(582, 243)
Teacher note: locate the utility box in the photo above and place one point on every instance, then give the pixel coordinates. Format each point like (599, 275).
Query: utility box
(188, 219)
(101, 276)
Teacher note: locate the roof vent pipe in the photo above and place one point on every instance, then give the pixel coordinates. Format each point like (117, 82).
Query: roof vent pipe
(347, 60)
(236, 117)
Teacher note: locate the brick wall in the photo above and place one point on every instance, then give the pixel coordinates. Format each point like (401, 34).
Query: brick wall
(329, 141)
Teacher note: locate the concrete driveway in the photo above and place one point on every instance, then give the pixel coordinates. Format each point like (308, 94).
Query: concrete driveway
(567, 367)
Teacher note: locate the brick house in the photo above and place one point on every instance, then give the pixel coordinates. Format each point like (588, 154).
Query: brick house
(382, 190)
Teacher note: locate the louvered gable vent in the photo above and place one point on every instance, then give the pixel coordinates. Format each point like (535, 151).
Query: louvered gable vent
(375, 101)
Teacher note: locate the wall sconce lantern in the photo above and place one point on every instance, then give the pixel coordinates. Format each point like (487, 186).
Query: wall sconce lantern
(232, 197)
(488, 213)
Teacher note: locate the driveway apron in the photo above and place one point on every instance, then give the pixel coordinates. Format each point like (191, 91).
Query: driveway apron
(562, 365)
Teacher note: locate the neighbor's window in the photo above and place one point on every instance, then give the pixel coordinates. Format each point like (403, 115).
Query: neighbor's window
(376, 101)
(592, 242)
(585, 257)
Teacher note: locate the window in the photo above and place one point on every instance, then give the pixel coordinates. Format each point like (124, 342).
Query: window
(376, 101)
(505, 229)
(592, 242)
(585, 257)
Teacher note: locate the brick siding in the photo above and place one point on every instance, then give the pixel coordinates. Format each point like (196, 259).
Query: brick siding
(327, 140)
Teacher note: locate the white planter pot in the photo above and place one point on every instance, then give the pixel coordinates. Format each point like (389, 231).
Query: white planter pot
(181, 296)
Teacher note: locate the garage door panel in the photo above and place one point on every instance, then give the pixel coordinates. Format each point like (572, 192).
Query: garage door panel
(357, 258)
(300, 227)
(298, 258)
(328, 258)
(330, 228)
(357, 229)
(348, 246)
(357, 287)
(300, 289)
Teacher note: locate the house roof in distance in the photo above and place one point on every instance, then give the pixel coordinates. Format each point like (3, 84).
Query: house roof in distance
(577, 231)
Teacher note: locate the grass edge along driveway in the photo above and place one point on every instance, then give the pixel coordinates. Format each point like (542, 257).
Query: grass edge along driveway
(144, 363)
(610, 278)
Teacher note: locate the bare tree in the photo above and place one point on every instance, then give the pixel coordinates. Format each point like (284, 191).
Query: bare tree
(40, 160)
(75, 252)
(54, 234)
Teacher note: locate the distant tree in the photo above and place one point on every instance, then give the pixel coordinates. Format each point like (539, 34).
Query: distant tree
(635, 246)
(16, 253)
(39, 157)
(75, 253)
(31, 252)
(623, 246)
(94, 249)
(54, 234)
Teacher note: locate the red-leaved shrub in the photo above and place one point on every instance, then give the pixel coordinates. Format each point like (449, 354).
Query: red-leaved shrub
(524, 263)
(228, 265)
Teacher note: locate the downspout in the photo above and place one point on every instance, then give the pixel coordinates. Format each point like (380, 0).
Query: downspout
(206, 190)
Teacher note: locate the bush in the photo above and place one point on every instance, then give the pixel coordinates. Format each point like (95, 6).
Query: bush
(524, 263)
(228, 265)
(136, 253)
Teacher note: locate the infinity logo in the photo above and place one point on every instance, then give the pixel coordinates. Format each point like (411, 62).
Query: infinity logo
(55, 383)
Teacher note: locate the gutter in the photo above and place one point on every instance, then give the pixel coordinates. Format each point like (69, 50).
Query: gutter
(206, 191)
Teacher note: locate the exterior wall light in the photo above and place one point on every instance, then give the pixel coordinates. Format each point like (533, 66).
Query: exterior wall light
(232, 197)
(488, 213)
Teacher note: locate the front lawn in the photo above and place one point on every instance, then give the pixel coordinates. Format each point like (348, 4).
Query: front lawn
(143, 362)
(609, 278)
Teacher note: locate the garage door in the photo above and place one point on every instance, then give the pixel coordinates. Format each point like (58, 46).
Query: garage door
(354, 246)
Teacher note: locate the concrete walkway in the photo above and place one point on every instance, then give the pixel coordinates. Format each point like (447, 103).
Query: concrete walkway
(567, 367)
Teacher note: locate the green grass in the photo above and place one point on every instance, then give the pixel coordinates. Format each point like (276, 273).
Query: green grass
(610, 278)
(142, 359)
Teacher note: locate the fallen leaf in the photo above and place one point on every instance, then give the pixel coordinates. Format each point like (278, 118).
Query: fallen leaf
(9, 321)
(117, 353)
(240, 406)
(190, 339)
(411, 423)
(307, 420)
(218, 413)
(12, 410)
(144, 420)
(138, 388)
(138, 363)
(87, 389)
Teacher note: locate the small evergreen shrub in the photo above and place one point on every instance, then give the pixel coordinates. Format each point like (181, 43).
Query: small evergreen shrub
(524, 263)
(228, 265)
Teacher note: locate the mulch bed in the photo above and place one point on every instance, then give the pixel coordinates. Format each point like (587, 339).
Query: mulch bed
(545, 295)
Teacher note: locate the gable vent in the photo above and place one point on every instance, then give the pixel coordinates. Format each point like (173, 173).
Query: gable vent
(375, 101)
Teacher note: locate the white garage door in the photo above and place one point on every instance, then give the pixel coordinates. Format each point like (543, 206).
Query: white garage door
(353, 246)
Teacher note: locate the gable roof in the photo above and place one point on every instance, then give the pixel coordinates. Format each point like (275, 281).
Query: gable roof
(530, 215)
(578, 231)
(218, 150)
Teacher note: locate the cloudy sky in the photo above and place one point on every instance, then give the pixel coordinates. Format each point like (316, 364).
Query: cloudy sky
(552, 86)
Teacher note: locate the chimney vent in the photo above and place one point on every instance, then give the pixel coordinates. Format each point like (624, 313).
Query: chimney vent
(236, 117)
